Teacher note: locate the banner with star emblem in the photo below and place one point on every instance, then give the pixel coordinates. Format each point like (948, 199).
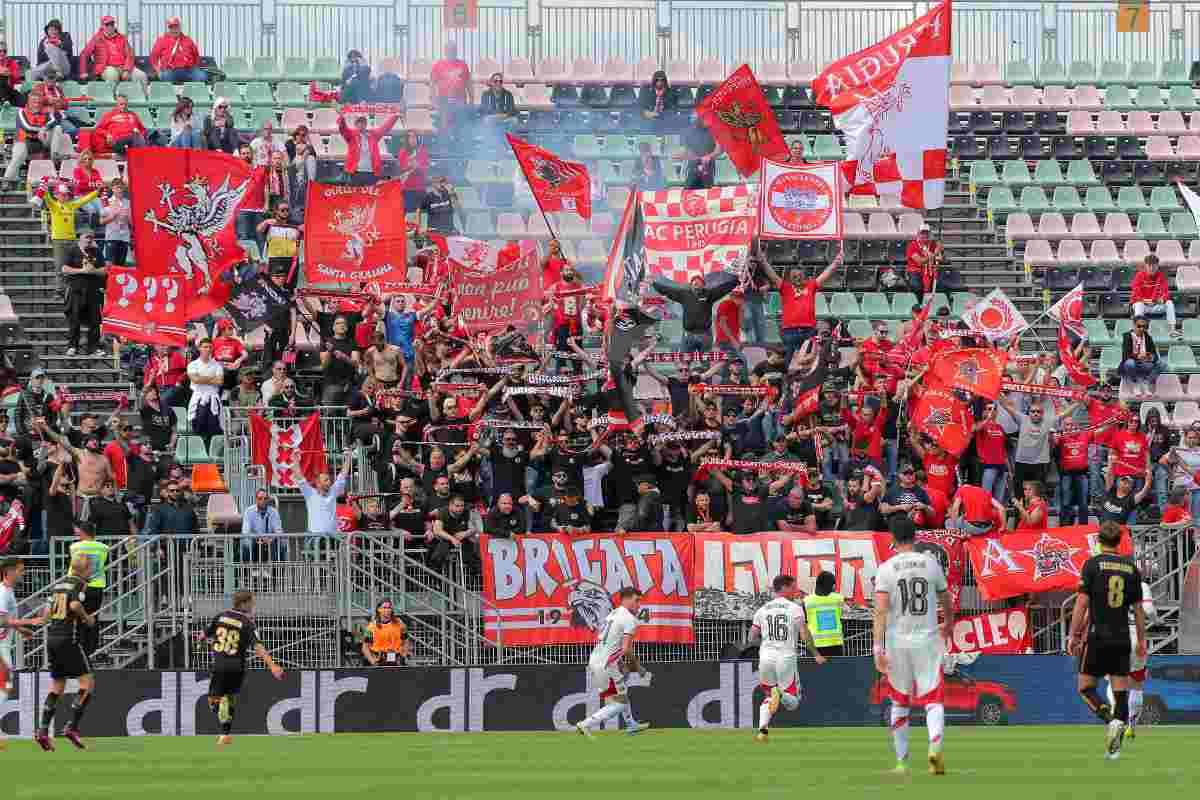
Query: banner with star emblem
(944, 418)
(740, 119)
(274, 445)
(355, 234)
(976, 370)
(1028, 561)
(557, 185)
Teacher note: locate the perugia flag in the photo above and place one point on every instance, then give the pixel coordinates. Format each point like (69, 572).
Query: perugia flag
(183, 204)
(274, 444)
(945, 419)
(1079, 374)
(557, 185)
(149, 309)
(626, 267)
(995, 317)
(1031, 561)
(892, 100)
(740, 119)
(1068, 311)
(355, 234)
(977, 370)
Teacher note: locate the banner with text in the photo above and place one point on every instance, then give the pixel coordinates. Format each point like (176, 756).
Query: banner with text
(800, 201)
(556, 589)
(355, 233)
(691, 232)
(509, 297)
(1023, 562)
(1005, 632)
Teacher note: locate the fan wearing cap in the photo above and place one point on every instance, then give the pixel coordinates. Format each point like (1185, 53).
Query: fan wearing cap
(677, 385)
(229, 350)
(175, 56)
(571, 516)
(907, 498)
(940, 465)
(749, 511)
(110, 56)
(922, 258)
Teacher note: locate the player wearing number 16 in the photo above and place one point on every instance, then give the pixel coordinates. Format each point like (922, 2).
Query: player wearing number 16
(909, 644)
(778, 626)
(232, 636)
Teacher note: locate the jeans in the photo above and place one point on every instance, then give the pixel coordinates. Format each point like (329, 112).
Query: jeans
(793, 339)
(1195, 504)
(1162, 479)
(188, 139)
(253, 551)
(1168, 308)
(696, 343)
(1096, 459)
(183, 74)
(891, 458)
(839, 451)
(994, 481)
(1148, 371)
(116, 251)
(754, 317)
(968, 528)
(1072, 498)
(1138, 482)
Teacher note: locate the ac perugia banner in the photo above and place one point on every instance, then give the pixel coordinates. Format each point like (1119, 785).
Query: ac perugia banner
(800, 201)
(557, 185)
(691, 232)
(183, 204)
(1007, 632)
(274, 444)
(355, 234)
(556, 589)
(945, 419)
(1023, 562)
(144, 309)
(741, 121)
(511, 297)
(977, 370)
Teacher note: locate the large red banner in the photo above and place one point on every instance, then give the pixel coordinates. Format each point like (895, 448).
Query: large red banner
(741, 120)
(1006, 631)
(144, 309)
(557, 589)
(508, 297)
(355, 234)
(1024, 562)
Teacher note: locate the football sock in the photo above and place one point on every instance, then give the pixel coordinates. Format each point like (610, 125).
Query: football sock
(79, 706)
(790, 701)
(935, 721)
(627, 716)
(48, 710)
(1121, 707)
(1135, 704)
(1092, 698)
(900, 732)
(225, 713)
(764, 714)
(606, 713)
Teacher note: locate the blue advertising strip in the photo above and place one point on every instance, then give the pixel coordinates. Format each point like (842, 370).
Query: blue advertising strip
(992, 690)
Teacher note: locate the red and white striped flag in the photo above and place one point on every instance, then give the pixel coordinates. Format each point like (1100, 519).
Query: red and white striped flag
(892, 100)
(274, 444)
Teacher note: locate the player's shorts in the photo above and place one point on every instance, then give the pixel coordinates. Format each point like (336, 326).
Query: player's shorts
(778, 669)
(915, 674)
(607, 680)
(1098, 659)
(67, 660)
(226, 682)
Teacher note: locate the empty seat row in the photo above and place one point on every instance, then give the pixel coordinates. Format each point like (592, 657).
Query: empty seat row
(876, 305)
(1047, 173)
(880, 225)
(1088, 98)
(1053, 73)
(1084, 225)
(1112, 123)
(1130, 199)
(1073, 252)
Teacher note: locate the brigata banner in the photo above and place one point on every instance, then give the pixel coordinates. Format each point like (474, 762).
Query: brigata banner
(690, 232)
(355, 233)
(487, 301)
(556, 589)
(1005, 631)
(1023, 562)
(800, 201)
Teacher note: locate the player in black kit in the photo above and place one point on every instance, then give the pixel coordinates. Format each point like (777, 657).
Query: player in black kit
(1110, 585)
(232, 636)
(64, 647)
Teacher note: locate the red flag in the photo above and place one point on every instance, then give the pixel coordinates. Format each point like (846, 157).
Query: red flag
(273, 446)
(945, 419)
(355, 234)
(183, 204)
(149, 309)
(1031, 561)
(1069, 311)
(740, 119)
(977, 370)
(1079, 374)
(915, 337)
(557, 185)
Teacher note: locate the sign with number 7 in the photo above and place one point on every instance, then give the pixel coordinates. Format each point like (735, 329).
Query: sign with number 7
(1133, 16)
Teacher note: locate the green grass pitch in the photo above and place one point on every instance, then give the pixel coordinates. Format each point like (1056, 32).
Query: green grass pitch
(1016, 763)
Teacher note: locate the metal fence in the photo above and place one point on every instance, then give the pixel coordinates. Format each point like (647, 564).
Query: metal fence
(691, 31)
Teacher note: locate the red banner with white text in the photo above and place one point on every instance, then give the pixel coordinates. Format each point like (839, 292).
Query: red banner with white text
(355, 233)
(556, 589)
(1024, 562)
(1006, 631)
(487, 302)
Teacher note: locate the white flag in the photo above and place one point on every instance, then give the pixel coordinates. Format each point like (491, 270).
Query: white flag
(1193, 201)
(800, 201)
(995, 317)
(1069, 312)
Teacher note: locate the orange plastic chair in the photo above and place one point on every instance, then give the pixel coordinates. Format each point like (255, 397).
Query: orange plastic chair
(206, 478)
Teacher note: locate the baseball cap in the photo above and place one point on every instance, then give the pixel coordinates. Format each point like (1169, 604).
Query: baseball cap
(923, 229)
(38, 372)
(106, 19)
(173, 22)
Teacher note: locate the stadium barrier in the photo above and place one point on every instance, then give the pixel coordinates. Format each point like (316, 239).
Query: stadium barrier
(989, 690)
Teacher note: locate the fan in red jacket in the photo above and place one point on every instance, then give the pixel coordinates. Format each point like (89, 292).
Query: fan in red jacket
(10, 78)
(1150, 293)
(122, 127)
(364, 164)
(176, 56)
(110, 56)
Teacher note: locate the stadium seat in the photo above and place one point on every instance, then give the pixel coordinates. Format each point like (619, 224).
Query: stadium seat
(1039, 253)
(1099, 200)
(258, 93)
(1135, 252)
(1182, 225)
(1131, 200)
(291, 95)
(1187, 277)
(1186, 411)
(1079, 123)
(1018, 71)
(1191, 333)
(1140, 123)
(853, 226)
(1081, 173)
(1071, 253)
(1181, 98)
(510, 225)
(519, 70)
(1048, 172)
(1016, 173)
(1188, 148)
(1061, 279)
(1110, 359)
(1111, 123)
(881, 226)
(875, 305)
(1051, 225)
(1034, 200)
(1000, 200)
(1084, 225)
(1170, 253)
(1103, 256)
(983, 173)
(843, 305)
(827, 148)
(1150, 226)
(296, 68)
(479, 225)
(1118, 98)
(266, 68)
(1087, 98)
(238, 69)
(1098, 333)
(1163, 198)
(1170, 123)
(1019, 226)
(962, 98)
(1066, 200)
(1181, 358)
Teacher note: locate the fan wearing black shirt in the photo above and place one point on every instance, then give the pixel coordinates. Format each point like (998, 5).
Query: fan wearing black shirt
(441, 201)
(373, 518)
(795, 513)
(820, 496)
(674, 476)
(1122, 501)
(509, 462)
(1110, 586)
(861, 508)
(505, 520)
(628, 461)
(907, 498)
(571, 516)
(410, 519)
(110, 516)
(452, 531)
(748, 508)
(232, 636)
(682, 400)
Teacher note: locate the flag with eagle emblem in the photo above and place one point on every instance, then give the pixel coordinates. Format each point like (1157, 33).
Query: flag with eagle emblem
(946, 419)
(976, 370)
(557, 185)
(740, 119)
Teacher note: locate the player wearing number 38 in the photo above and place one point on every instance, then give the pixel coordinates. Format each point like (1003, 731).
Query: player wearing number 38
(85, 274)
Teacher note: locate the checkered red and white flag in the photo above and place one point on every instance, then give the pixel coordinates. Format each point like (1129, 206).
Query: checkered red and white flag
(689, 232)
(274, 445)
(892, 101)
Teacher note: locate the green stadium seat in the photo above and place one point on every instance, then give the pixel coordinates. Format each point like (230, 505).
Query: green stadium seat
(656, 144)
(1118, 97)
(1163, 198)
(1098, 334)
(827, 148)
(1150, 226)
(1048, 173)
(265, 68)
(821, 305)
(1000, 200)
(1182, 98)
(1176, 72)
(1142, 72)
(216, 448)
(1159, 331)
(1033, 200)
(99, 90)
(197, 91)
(1066, 200)
(1081, 173)
(1052, 73)
(1182, 225)
(875, 305)
(611, 173)
(480, 173)
(230, 90)
(1099, 200)
(291, 95)
(237, 69)
(1131, 200)
(326, 69)
(1120, 328)
(587, 146)
(1149, 98)
(1191, 330)
(1016, 173)
(298, 69)
(162, 95)
(727, 173)
(940, 301)
(1110, 359)
(843, 305)
(1180, 358)
(618, 148)
(181, 419)
(258, 93)
(1081, 72)
(859, 329)
(8, 118)
(1018, 72)
(255, 117)
(902, 303)
(983, 173)
(1112, 72)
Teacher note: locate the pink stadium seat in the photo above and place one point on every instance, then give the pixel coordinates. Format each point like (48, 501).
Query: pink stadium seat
(1052, 225)
(585, 70)
(1071, 252)
(1188, 148)
(1104, 253)
(985, 73)
(802, 72)
(1168, 387)
(1186, 411)
(1171, 123)
(1056, 97)
(1187, 278)
(1118, 226)
(960, 73)
(392, 66)
(324, 121)
(39, 168)
(881, 226)
(1193, 386)
(772, 73)
(572, 227)
(1019, 226)
(1111, 123)
(1084, 225)
(1135, 251)
(995, 98)
(710, 71)
(962, 97)
(1140, 123)
(485, 68)
(1079, 123)
(1194, 122)
(419, 69)
(1170, 253)
(1162, 409)
(519, 70)
(1158, 148)
(909, 224)
(645, 69)
(293, 118)
(1088, 98)
(681, 73)
(617, 70)
(1194, 252)
(418, 95)
(1028, 98)
(510, 225)
(537, 229)
(852, 225)
(537, 96)
(1038, 253)
(552, 70)
(419, 120)
(67, 169)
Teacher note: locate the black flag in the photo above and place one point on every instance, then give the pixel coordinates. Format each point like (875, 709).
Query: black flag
(253, 302)
(629, 325)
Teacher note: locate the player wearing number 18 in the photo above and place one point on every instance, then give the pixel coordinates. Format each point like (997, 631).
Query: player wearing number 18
(233, 636)
(1109, 587)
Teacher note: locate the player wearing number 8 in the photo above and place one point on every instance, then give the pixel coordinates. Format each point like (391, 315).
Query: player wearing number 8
(233, 636)
(777, 628)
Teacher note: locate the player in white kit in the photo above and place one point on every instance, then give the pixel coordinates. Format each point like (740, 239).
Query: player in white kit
(909, 643)
(1137, 664)
(11, 570)
(777, 628)
(611, 662)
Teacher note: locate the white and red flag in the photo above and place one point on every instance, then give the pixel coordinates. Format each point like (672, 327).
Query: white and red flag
(274, 444)
(892, 101)
(479, 257)
(995, 317)
(690, 232)
(1068, 312)
(800, 201)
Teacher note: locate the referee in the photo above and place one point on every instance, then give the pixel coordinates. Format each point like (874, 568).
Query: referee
(97, 555)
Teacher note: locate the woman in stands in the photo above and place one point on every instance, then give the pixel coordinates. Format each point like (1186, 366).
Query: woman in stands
(182, 132)
(220, 128)
(1161, 439)
(301, 172)
(85, 180)
(658, 98)
(115, 219)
